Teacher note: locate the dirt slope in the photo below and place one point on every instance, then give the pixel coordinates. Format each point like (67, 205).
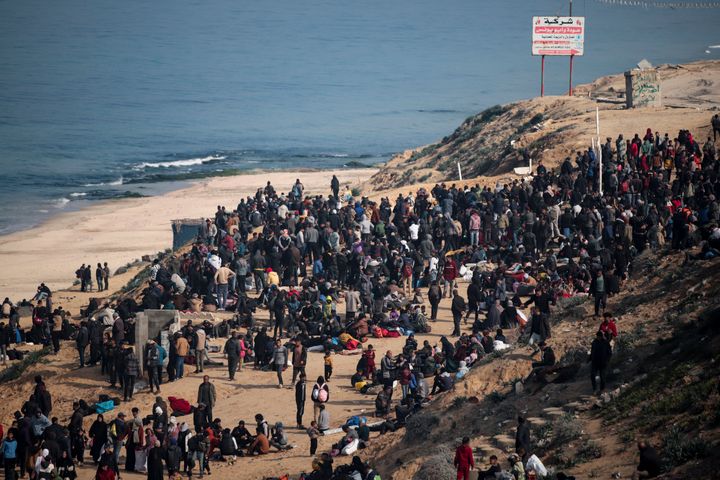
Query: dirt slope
(666, 351)
(502, 137)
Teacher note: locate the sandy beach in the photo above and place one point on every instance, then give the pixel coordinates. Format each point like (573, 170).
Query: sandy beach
(121, 231)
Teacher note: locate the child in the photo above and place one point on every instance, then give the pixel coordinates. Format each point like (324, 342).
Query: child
(328, 365)
(9, 450)
(313, 433)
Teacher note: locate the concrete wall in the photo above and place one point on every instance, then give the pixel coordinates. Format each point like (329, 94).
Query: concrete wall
(185, 231)
(148, 324)
(642, 88)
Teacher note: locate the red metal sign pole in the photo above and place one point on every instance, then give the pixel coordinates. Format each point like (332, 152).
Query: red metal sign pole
(542, 76)
(571, 59)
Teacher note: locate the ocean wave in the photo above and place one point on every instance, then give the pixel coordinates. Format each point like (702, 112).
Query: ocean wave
(114, 183)
(78, 194)
(180, 163)
(60, 202)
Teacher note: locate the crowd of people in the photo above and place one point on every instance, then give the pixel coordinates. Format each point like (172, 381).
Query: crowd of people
(525, 242)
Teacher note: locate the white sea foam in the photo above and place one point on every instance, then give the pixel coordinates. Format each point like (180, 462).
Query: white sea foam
(117, 182)
(180, 163)
(78, 194)
(714, 46)
(60, 202)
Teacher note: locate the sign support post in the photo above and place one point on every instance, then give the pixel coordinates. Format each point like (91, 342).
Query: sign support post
(558, 36)
(600, 159)
(570, 90)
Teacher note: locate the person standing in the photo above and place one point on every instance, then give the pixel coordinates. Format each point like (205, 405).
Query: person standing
(458, 307)
(464, 461)
(233, 352)
(279, 358)
(352, 304)
(320, 396)
(434, 296)
(207, 395)
(99, 277)
(522, 438)
(600, 353)
(9, 453)
(299, 359)
(87, 275)
(55, 334)
(81, 341)
(300, 395)
(222, 279)
(335, 183)
(155, 470)
(106, 276)
(314, 433)
(597, 288)
(132, 370)
(449, 274)
(182, 348)
(387, 369)
(201, 338)
(77, 434)
(152, 355)
(98, 434)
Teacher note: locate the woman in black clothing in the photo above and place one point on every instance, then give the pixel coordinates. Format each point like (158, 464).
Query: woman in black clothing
(99, 435)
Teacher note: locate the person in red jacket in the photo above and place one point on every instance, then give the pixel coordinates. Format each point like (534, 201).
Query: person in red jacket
(464, 461)
(608, 326)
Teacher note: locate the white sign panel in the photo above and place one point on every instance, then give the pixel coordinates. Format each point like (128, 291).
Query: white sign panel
(558, 35)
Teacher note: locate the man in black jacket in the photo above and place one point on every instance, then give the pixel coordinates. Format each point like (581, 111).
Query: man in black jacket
(81, 341)
(600, 353)
(458, 308)
(539, 327)
(650, 464)
(522, 438)
(232, 350)
(300, 395)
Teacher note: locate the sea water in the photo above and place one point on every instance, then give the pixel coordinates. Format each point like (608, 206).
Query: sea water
(103, 99)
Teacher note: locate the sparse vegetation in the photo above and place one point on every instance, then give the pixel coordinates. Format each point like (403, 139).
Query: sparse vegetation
(355, 191)
(14, 371)
(419, 426)
(589, 450)
(438, 466)
(679, 448)
(566, 429)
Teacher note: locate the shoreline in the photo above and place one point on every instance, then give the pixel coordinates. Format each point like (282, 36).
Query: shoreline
(120, 231)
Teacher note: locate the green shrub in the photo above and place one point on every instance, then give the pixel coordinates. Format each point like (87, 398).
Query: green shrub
(588, 451)
(566, 429)
(355, 191)
(438, 466)
(679, 448)
(14, 371)
(420, 426)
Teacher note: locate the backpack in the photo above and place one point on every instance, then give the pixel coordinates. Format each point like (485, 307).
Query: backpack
(194, 444)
